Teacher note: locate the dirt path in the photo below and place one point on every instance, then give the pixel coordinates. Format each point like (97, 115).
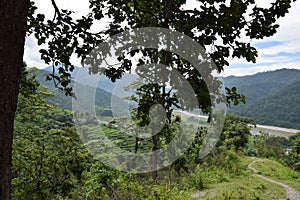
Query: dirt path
(291, 193)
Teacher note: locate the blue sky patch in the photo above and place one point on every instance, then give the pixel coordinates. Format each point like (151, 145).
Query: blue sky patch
(263, 45)
(291, 55)
(241, 65)
(295, 55)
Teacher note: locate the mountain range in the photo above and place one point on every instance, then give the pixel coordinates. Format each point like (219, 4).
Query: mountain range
(273, 97)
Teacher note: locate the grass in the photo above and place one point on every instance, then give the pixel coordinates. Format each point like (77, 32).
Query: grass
(105, 118)
(243, 187)
(278, 172)
(249, 186)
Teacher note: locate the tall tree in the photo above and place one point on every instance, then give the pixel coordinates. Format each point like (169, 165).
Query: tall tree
(218, 26)
(16, 18)
(12, 39)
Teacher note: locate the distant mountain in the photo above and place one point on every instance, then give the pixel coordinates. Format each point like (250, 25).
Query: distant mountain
(103, 98)
(273, 98)
(104, 83)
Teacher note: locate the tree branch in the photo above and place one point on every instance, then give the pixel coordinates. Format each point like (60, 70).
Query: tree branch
(56, 9)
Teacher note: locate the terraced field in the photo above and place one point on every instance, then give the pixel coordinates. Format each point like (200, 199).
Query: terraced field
(117, 137)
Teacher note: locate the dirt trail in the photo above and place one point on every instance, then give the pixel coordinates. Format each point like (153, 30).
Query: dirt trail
(291, 193)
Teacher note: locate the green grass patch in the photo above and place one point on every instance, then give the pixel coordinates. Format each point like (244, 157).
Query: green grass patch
(242, 187)
(278, 172)
(247, 185)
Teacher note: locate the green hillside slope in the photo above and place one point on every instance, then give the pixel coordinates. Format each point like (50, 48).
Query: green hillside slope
(272, 97)
(281, 108)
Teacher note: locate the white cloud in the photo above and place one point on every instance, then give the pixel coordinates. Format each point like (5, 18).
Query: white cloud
(242, 71)
(31, 53)
(287, 47)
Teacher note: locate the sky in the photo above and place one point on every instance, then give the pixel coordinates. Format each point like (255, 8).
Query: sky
(279, 51)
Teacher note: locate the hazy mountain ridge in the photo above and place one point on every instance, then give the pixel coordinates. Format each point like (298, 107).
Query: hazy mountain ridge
(103, 98)
(104, 83)
(263, 84)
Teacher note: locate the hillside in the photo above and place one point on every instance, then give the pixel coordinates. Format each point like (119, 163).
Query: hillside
(281, 108)
(273, 98)
(261, 179)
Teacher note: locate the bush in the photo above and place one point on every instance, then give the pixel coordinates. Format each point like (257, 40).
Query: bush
(197, 179)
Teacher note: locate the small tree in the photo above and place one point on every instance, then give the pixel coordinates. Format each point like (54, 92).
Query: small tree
(236, 132)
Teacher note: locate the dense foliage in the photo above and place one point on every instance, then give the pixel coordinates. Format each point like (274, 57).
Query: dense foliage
(48, 156)
(294, 156)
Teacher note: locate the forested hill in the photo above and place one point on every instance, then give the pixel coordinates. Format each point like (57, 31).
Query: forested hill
(273, 98)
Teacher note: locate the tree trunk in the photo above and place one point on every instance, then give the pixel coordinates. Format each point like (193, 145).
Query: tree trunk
(13, 17)
(136, 146)
(154, 157)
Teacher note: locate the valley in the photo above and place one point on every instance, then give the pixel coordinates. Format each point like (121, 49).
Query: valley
(249, 160)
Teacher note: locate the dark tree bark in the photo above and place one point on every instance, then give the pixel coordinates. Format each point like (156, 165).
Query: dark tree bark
(13, 17)
(136, 146)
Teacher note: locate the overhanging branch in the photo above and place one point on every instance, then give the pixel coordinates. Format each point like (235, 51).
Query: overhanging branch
(56, 9)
